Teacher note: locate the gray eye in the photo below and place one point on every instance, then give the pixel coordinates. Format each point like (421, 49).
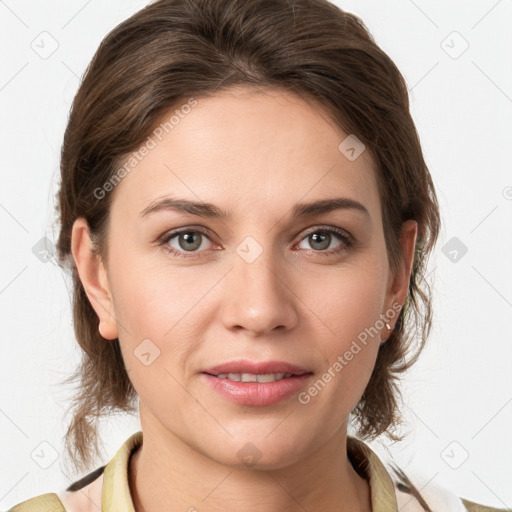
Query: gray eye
(320, 240)
(188, 241)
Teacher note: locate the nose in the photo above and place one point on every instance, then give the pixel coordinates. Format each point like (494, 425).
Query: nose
(259, 298)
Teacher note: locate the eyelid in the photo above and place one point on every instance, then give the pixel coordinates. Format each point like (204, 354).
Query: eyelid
(173, 232)
(325, 227)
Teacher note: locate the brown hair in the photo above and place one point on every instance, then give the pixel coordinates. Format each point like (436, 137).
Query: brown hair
(176, 49)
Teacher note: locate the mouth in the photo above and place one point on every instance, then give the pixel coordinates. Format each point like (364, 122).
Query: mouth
(257, 383)
(252, 377)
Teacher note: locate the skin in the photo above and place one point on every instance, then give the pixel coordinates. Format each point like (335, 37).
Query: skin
(254, 153)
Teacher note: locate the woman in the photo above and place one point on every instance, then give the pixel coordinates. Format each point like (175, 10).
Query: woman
(247, 216)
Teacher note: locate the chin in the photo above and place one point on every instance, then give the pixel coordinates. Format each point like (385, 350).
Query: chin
(261, 452)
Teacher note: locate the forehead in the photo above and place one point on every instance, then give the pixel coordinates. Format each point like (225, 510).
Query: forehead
(250, 150)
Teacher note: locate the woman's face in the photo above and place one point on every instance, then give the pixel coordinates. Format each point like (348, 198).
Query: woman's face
(261, 284)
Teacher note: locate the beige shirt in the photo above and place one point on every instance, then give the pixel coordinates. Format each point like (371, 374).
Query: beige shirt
(107, 488)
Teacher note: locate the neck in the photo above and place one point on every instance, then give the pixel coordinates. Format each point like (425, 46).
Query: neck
(167, 471)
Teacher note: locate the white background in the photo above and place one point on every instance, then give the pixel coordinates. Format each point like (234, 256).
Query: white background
(459, 394)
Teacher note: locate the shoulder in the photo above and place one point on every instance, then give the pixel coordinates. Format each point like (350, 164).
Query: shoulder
(87, 500)
(415, 493)
(48, 502)
(406, 491)
(471, 506)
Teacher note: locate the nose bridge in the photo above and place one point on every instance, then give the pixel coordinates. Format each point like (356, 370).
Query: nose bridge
(260, 298)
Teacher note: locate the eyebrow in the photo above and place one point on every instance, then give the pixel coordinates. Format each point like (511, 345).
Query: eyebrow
(209, 210)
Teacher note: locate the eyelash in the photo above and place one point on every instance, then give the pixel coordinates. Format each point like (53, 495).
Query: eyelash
(347, 244)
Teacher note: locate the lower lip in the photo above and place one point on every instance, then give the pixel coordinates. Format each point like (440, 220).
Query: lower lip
(257, 393)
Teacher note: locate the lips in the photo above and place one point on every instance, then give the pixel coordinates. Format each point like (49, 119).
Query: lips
(257, 384)
(256, 368)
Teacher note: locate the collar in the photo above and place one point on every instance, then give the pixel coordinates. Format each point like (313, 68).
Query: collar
(368, 465)
(116, 491)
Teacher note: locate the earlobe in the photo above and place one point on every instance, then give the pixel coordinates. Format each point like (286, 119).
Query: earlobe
(94, 279)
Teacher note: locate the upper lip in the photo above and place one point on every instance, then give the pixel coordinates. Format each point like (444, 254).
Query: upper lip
(256, 368)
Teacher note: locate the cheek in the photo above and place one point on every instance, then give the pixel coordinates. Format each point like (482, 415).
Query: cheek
(349, 305)
(150, 296)
(154, 317)
(349, 300)
(153, 301)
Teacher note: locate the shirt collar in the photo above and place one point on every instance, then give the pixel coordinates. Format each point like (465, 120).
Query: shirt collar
(116, 491)
(382, 487)
(116, 495)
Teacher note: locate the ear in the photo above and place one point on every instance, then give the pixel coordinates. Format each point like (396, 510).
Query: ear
(398, 285)
(93, 276)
